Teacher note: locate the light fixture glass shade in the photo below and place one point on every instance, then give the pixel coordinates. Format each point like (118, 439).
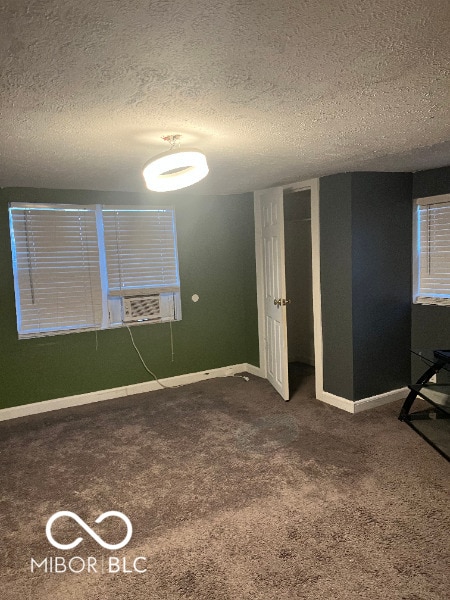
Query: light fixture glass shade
(175, 169)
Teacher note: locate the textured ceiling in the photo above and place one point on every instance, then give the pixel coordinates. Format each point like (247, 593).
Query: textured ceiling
(272, 92)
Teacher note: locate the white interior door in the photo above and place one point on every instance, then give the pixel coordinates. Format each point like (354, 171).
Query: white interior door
(269, 209)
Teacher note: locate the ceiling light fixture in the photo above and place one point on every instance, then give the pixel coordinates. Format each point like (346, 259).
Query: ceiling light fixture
(176, 168)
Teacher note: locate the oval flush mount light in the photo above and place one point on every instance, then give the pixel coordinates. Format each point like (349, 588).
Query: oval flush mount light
(176, 168)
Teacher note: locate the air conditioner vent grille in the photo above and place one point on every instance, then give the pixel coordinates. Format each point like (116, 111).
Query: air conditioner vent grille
(141, 308)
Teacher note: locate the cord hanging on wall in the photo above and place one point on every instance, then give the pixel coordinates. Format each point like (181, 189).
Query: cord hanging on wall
(176, 168)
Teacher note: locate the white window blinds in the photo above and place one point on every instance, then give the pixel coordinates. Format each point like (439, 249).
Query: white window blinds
(141, 250)
(74, 265)
(56, 268)
(433, 238)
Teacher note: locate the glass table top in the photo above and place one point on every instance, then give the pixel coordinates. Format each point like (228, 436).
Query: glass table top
(437, 394)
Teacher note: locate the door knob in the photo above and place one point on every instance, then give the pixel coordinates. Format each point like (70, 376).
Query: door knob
(281, 302)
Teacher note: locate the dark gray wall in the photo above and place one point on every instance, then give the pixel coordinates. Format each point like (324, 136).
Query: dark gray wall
(430, 324)
(381, 267)
(336, 283)
(431, 183)
(366, 232)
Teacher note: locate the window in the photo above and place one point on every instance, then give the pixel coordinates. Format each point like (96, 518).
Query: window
(79, 268)
(432, 256)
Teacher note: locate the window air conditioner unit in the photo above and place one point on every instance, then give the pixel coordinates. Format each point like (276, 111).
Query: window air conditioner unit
(141, 308)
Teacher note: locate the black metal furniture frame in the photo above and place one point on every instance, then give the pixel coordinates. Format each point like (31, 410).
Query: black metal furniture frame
(441, 359)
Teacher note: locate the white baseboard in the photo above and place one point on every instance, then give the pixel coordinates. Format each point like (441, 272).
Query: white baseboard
(351, 406)
(380, 399)
(253, 370)
(356, 406)
(127, 390)
(337, 401)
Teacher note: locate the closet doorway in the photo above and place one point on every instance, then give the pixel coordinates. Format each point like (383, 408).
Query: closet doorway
(299, 287)
(295, 238)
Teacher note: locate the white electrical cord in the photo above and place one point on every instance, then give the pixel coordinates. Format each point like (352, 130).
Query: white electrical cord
(151, 372)
(171, 340)
(145, 366)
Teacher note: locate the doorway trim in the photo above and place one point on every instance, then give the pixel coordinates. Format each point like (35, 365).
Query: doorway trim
(351, 406)
(313, 186)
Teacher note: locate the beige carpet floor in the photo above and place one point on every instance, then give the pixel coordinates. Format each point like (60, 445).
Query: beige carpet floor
(233, 494)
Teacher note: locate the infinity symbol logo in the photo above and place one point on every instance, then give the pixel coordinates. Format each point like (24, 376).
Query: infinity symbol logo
(97, 538)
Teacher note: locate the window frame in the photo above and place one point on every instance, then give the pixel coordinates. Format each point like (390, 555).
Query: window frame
(440, 299)
(169, 297)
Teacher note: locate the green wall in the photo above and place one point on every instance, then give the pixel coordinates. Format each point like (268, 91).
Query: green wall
(430, 324)
(217, 262)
